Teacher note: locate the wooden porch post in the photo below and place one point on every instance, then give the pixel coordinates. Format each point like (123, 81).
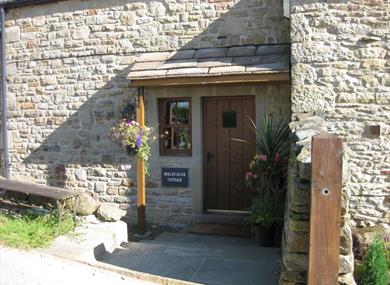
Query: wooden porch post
(141, 197)
(325, 211)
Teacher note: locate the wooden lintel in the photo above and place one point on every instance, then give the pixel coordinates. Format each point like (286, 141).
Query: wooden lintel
(141, 196)
(217, 79)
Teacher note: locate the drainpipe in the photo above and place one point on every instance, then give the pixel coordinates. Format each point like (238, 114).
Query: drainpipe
(4, 97)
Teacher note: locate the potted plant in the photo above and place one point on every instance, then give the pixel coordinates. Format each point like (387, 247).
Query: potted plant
(266, 179)
(263, 219)
(133, 138)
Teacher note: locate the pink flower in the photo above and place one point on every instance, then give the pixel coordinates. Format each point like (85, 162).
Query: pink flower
(263, 157)
(277, 157)
(248, 174)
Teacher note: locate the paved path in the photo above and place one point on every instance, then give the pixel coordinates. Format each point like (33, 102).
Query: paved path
(211, 260)
(33, 268)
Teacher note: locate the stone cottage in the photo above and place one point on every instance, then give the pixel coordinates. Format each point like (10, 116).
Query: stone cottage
(73, 67)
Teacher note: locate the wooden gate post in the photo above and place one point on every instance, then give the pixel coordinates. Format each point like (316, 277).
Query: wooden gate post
(325, 211)
(141, 197)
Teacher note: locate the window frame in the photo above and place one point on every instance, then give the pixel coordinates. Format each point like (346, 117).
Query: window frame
(161, 109)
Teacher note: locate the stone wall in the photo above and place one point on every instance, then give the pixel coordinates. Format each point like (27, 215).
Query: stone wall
(67, 64)
(340, 66)
(295, 239)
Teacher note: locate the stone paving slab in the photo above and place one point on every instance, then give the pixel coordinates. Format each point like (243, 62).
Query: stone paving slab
(223, 272)
(211, 260)
(94, 239)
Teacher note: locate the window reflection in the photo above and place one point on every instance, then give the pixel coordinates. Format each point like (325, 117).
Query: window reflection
(175, 127)
(176, 113)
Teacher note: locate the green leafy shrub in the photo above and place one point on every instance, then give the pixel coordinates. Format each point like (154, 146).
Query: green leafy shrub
(374, 270)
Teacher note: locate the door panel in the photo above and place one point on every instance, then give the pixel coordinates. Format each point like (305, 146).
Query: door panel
(236, 155)
(222, 157)
(226, 160)
(210, 152)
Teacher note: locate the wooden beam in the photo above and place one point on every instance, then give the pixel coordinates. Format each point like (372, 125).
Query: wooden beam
(141, 197)
(325, 213)
(37, 189)
(216, 79)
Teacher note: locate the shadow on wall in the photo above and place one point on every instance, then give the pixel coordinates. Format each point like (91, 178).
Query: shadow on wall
(169, 25)
(78, 133)
(84, 137)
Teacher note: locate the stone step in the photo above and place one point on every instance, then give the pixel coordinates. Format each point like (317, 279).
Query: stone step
(209, 250)
(204, 239)
(89, 241)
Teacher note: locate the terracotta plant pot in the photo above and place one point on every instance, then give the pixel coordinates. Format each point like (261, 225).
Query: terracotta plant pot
(264, 236)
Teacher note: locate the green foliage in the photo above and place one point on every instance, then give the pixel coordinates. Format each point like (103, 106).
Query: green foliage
(32, 231)
(129, 134)
(267, 173)
(273, 139)
(374, 270)
(264, 212)
(271, 161)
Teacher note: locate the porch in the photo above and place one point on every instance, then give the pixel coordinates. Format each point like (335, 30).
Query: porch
(202, 104)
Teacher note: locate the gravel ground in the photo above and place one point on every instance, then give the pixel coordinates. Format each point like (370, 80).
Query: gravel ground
(30, 267)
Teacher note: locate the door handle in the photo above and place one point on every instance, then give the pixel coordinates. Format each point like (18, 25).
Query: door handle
(209, 156)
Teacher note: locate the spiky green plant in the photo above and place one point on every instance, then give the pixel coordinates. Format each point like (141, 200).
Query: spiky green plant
(375, 265)
(272, 137)
(267, 171)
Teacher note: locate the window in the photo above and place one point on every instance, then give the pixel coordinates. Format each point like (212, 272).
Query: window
(229, 119)
(175, 126)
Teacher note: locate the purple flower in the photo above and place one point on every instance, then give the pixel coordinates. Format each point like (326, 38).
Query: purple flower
(139, 141)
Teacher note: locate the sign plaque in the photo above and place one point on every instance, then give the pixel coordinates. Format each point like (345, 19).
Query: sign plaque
(174, 177)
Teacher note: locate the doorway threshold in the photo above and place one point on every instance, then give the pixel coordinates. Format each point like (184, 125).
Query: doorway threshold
(228, 212)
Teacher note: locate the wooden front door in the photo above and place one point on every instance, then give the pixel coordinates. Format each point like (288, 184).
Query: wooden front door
(226, 160)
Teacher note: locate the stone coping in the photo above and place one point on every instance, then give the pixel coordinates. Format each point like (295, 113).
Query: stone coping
(235, 60)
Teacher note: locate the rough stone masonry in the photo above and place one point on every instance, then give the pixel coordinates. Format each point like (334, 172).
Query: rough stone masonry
(67, 68)
(296, 237)
(340, 84)
(341, 68)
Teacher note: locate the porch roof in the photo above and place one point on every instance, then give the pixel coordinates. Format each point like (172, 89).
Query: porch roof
(250, 63)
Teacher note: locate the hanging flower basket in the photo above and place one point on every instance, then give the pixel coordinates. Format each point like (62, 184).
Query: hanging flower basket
(131, 150)
(133, 138)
